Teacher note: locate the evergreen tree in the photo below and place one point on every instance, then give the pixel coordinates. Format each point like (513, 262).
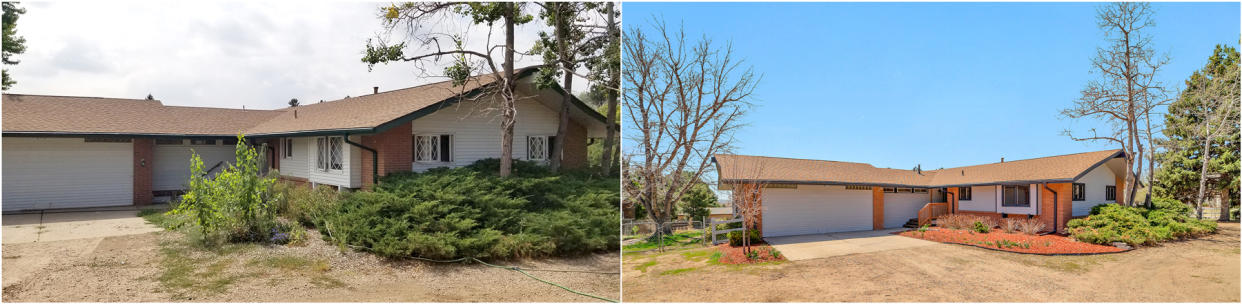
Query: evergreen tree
(13, 44)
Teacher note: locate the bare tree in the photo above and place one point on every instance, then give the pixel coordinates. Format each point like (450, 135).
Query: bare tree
(746, 186)
(685, 99)
(608, 67)
(417, 18)
(1126, 91)
(1219, 111)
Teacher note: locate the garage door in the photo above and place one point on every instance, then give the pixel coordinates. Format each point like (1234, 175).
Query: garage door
(172, 161)
(46, 173)
(815, 209)
(901, 207)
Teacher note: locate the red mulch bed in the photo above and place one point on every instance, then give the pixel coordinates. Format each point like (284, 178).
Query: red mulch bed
(1039, 244)
(735, 255)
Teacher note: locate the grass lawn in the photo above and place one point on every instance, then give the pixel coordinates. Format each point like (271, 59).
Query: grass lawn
(676, 240)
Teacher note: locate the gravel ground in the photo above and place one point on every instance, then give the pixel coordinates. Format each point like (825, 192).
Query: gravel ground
(136, 268)
(1199, 270)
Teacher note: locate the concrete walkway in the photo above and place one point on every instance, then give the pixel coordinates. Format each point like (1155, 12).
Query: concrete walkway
(817, 246)
(83, 224)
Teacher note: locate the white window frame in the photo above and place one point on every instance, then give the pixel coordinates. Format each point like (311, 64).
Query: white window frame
(288, 147)
(433, 148)
(544, 147)
(321, 149)
(330, 153)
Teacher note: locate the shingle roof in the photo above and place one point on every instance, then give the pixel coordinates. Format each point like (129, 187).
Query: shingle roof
(94, 115)
(1060, 168)
(41, 114)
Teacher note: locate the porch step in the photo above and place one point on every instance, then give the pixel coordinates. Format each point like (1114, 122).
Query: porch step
(912, 223)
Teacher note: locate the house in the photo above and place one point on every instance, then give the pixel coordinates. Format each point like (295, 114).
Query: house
(67, 152)
(721, 213)
(802, 196)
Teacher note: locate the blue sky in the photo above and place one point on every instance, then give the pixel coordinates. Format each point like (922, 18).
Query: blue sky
(937, 84)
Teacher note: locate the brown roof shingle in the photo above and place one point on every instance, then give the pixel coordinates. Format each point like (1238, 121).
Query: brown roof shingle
(788, 170)
(94, 115)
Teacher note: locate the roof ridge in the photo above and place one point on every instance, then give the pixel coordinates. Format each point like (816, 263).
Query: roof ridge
(222, 108)
(92, 97)
(792, 158)
(1029, 159)
(516, 71)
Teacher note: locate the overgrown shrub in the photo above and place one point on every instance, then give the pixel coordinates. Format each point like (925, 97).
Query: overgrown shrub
(1110, 223)
(1030, 226)
(235, 204)
(471, 212)
(735, 237)
(1009, 225)
(300, 203)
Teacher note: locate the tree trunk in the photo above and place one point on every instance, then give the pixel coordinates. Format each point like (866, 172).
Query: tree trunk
(606, 157)
(558, 143)
(509, 108)
(1224, 204)
(1203, 172)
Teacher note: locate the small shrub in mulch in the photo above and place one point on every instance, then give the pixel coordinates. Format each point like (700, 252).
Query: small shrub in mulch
(1014, 242)
(760, 253)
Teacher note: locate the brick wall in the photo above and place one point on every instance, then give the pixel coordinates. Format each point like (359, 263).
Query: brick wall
(575, 149)
(144, 160)
(877, 208)
(394, 149)
(1121, 188)
(1063, 205)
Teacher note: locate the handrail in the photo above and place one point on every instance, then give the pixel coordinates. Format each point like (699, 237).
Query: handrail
(932, 211)
(213, 168)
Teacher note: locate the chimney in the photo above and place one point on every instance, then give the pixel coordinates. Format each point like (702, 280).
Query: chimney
(374, 90)
(1002, 159)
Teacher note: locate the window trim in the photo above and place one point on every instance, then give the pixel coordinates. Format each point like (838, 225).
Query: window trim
(547, 142)
(325, 159)
(1110, 192)
(1025, 189)
(1078, 192)
(965, 193)
(438, 157)
(288, 147)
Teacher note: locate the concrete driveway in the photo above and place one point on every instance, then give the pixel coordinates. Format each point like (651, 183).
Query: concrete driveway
(59, 226)
(817, 246)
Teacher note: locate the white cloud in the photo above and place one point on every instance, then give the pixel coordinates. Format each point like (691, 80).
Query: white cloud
(218, 54)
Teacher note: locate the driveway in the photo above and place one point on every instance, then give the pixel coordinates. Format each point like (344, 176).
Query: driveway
(59, 226)
(817, 246)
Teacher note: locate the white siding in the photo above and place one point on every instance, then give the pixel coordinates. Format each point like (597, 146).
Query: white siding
(815, 209)
(45, 173)
(1033, 197)
(982, 198)
(1096, 180)
(901, 207)
(172, 163)
(476, 130)
(295, 165)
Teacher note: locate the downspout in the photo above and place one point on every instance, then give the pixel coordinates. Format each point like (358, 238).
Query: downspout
(1055, 214)
(374, 159)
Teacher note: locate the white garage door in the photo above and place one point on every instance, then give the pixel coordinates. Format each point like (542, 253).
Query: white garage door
(815, 209)
(47, 173)
(172, 161)
(901, 207)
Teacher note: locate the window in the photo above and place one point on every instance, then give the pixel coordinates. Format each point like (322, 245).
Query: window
(330, 153)
(1017, 196)
(1080, 192)
(205, 142)
(1110, 193)
(336, 147)
(963, 193)
(539, 147)
(857, 187)
(890, 190)
(919, 190)
(232, 141)
(165, 141)
(906, 190)
(433, 147)
(288, 147)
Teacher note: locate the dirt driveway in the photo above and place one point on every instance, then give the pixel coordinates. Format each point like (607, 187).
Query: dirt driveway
(1200, 270)
(162, 267)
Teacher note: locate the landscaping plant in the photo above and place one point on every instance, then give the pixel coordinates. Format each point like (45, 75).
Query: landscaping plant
(1110, 223)
(1009, 225)
(233, 205)
(1030, 226)
(447, 213)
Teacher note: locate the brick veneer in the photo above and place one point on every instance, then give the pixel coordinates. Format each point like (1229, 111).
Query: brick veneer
(395, 152)
(575, 149)
(144, 160)
(1121, 188)
(1064, 205)
(877, 208)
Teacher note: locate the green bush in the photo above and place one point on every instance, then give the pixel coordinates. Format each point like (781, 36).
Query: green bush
(471, 212)
(235, 204)
(980, 227)
(1110, 223)
(307, 206)
(735, 237)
